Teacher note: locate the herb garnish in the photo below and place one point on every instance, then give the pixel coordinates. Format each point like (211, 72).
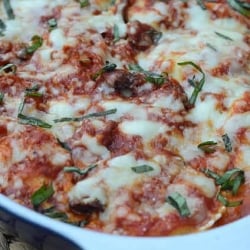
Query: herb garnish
(91, 115)
(79, 171)
(198, 85)
(154, 35)
(107, 68)
(23, 119)
(180, 203)
(52, 23)
(208, 146)
(33, 91)
(8, 68)
(52, 212)
(64, 145)
(37, 42)
(227, 142)
(201, 3)
(231, 181)
(83, 3)
(26, 52)
(211, 174)
(223, 36)
(116, 33)
(1, 98)
(21, 106)
(8, 9)
(2, 27)
(242, 7)
(142, 168)
(211, 46)
(227, 203)
(151, 77)
(42, 194)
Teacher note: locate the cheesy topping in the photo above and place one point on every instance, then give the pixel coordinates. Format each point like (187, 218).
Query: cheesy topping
(101, 110)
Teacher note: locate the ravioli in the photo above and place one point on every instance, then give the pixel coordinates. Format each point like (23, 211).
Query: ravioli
(126, 117)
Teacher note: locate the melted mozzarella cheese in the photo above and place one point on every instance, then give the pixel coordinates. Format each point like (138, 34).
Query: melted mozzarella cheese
(120, 173)
(59, 39)
(94, 147)
(117, 174)
(68, 108)
(235, 122)
(144, 128)
(124, 108)
(18, 154)
(203, 183)
(88, 191)
(168, 102)
(27, 18)
(168, 130)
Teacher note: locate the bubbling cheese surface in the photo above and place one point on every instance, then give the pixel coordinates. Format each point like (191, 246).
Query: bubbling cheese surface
(109, 110)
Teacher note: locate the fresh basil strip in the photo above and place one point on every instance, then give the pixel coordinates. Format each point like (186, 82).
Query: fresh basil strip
(33, 91)
(8, 68)
(211, 174)
(83, 3)
(201, 3)
(107, 68)
(244, 4)
(231, 180)
(223, 36)
(242, 7)
(116, 33)
(112, 2)
(198, 85)
(154, 35)
(64, 145)
(208, 146)
(1, 97)
(136, 68)
(227, 203)
(42, 194)
(2, 27)
(52, 212)
(180, 203)
(151, 77)
(52, 23)
(155, 78)
(211, 46)
(8, 9)
(238, 181)
(34, 88)
(142, 168)
(227, 142)
(21, 106)
(78, 170)
(33, 94)
(91, 115)
(37, 42)
(29, 120)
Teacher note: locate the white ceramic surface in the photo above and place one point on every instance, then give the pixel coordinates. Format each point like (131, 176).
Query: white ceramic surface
(233, 236)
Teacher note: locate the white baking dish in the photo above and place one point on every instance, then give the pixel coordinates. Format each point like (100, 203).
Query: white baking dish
(48, 234)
